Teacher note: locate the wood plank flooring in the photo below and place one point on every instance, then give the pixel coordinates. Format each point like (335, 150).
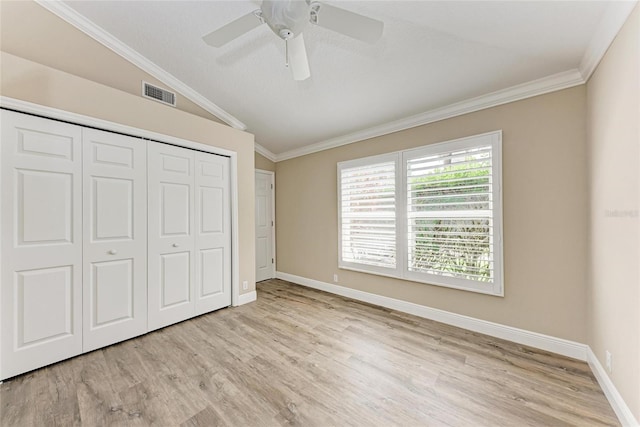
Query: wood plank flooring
(303, 357)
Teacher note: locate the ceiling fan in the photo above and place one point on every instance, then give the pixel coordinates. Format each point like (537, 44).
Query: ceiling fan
(288, 18)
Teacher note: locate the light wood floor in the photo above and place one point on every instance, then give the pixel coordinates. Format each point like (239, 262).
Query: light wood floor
(303, 357)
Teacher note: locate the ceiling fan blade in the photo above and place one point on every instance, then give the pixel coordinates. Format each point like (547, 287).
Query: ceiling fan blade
(348, 23)
(298, 58)
(233, 29)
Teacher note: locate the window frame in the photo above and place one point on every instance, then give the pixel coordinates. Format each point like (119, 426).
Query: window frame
(383, 158)
(401, 271)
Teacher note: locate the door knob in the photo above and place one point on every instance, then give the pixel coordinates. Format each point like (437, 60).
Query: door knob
(175, 245)
(113, 252)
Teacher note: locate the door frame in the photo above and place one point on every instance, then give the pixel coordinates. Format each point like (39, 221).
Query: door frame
(273, 217)
(80, 119)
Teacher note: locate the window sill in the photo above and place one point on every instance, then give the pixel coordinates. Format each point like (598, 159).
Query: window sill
(433, 282)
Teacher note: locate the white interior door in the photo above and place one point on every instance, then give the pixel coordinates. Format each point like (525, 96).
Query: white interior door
(40, 290)
(115, 238)
(265, 256)
(213, 232)
(171, 234)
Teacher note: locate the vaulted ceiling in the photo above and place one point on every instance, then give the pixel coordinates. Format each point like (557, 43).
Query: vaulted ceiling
(433, 56)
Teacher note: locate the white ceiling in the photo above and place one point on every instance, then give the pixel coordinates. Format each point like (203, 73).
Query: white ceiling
(432, 54)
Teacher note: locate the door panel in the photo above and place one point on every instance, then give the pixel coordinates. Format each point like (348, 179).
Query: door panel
(265, 267)
(45, 144)
(176, 272)
(212, 272)
(213, 234)
(40, 286)
(113, 211)
(44, 304)
(175, 209)
(115, 238)
(112, 292)
(40, 192)
(212, 206)
(177, 162)
(171, 237)
(263, 258)
(112, 155)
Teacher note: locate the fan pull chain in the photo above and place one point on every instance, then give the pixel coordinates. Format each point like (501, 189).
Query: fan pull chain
(286, 52)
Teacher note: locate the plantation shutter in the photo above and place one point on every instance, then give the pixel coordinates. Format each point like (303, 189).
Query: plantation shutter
(450, 213)
(368, 213)
(431, 214)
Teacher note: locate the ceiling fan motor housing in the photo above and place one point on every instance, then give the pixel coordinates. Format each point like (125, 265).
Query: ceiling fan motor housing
(287, 18)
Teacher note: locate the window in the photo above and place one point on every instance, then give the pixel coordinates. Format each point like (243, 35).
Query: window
(431, 214)
(368, 203)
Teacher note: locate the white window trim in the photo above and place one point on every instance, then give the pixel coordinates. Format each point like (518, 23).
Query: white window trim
(494, 139)
(382, 271)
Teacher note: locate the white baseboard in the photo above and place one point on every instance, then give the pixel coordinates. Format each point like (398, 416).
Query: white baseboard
(617, 402)
(247, 298)
(520, 336)
(533, 339)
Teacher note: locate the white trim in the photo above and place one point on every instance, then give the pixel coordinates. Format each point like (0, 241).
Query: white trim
(247, 298)
(617, 402)
(264, 152)
(2, 203)
(74, 18)
(54, 113)
(533, 88)
(560, 346)
(235, 232)
(608, 28)
(393, 157)
(80, 119)
(400, 159)
(533, 339)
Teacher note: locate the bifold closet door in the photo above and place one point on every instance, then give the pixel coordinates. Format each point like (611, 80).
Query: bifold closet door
(213, 232)
(115, 238)
(171, 234)
(41, 229)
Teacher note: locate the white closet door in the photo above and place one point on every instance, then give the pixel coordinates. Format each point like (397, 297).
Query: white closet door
(171, 235)
(213, 232)
(115, 238)
(40, 290)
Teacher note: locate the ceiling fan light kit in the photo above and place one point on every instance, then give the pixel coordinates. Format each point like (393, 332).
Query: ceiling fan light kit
(290, 15)
(288, 18)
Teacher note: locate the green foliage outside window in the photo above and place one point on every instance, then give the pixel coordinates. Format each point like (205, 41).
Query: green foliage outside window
(455, 246)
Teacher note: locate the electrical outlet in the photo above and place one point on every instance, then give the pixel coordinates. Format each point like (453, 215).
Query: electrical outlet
(245, 285)
(335, 278)
(609, 361)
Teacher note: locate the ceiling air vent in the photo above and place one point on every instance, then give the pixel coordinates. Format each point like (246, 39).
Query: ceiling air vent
(158, 94)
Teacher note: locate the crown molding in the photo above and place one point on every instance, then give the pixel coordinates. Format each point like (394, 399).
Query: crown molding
(74, 18)
(610, 24)
(533, 88)
(264, 152)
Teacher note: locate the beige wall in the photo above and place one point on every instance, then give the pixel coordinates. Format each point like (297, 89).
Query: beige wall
(263, 163)
(33, 82)
(613, 100)
(545, 198)
(30, 31)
